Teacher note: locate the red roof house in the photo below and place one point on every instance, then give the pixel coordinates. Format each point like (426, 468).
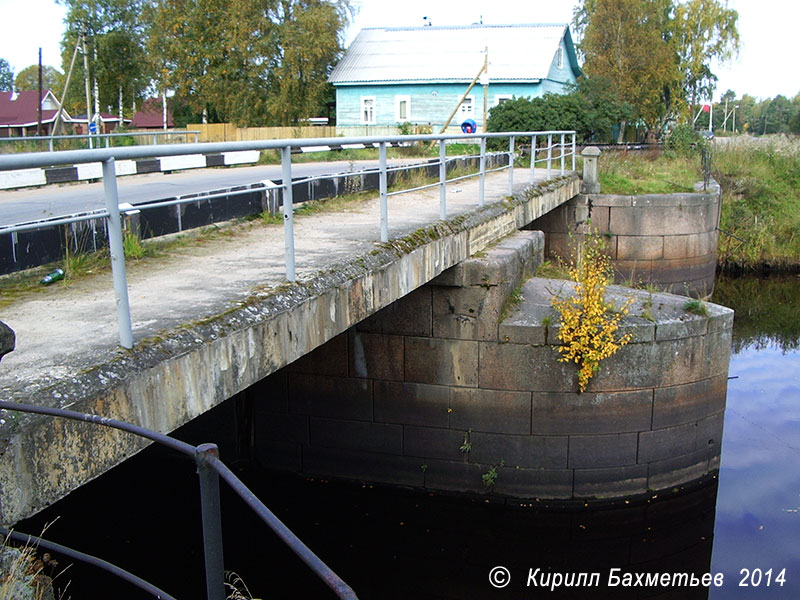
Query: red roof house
(151, 115)
(19, 113)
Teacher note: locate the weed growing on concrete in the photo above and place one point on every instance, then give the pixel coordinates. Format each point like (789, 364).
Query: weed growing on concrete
(547, 321)
(514, 300)
(589, 324)
(490, 477)
(132, 246)
(696, 307)
(466, 447)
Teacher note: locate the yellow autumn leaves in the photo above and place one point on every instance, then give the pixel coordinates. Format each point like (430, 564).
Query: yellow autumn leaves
(589, 324)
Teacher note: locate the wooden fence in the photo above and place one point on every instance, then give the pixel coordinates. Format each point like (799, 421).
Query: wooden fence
(227, 132)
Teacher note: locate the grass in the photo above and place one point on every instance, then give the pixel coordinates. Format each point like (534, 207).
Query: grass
(647, 173)
(760, 219)
(760, 180)
(696, 307)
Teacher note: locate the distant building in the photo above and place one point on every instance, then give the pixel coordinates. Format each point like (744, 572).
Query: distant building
(418, 74)
(108, 123)
(19, 113)
(151, 116)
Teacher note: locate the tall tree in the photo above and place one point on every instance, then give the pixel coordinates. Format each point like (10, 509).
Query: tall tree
(6, 76)
(28, 79)
(704, 30)
(115, 35)
(250, 62)
(628, 43)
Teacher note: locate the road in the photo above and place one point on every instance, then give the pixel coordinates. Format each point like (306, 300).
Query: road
(20, 206)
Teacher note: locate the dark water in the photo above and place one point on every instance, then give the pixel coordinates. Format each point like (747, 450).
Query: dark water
(758, 506)
(390, 543)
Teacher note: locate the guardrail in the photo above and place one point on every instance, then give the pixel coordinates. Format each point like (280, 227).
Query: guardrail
(106, 137)
(108, 156)
(209, 470)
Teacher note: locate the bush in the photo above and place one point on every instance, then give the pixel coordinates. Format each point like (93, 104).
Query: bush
(682, 141)
(591, 109)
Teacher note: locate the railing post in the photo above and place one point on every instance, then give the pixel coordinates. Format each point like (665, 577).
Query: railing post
(483, 172)
(383, 191)
(212, 522)
(511, 165)
(574, 146)
(533, 158)
(442, 180)
(549, 155)
(562, 154)
(117, 254)
(288, 212)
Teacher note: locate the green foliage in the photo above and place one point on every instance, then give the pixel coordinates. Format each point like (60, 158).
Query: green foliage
(592, 109)
(697, 307)
(466, 447)
(251, 65)
(118, 62)
(28, 79)
(490, 477)
(648, 173)
(656, 53)
(760, 219)
(682, 140)
(6, 76)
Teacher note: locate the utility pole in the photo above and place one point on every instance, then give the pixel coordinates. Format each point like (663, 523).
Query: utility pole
(57, 122)
(485, 83)
(39, 111)
(86, 83)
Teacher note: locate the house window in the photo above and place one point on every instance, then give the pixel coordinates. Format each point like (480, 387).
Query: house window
(402, 108)
(368, 110)
(466, 110)
(500, 98)
(560, 57)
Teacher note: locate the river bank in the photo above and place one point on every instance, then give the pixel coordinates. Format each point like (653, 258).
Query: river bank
(760, 181)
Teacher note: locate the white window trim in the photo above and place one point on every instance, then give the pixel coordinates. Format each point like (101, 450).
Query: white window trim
(397, 101)
(472, 104)
(364, 100)
(499, 97)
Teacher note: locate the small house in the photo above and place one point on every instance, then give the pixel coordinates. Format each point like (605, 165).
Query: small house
(417, 75)
(151, 116)
(19, 113)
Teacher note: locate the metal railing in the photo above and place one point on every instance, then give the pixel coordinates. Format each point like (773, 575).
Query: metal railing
(108, 156)
(105, 137)
(209, 470)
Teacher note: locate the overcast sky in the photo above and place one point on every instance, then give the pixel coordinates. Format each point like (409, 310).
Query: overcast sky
(766, 65)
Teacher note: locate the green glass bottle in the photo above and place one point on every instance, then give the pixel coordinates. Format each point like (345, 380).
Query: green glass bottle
(56, 275)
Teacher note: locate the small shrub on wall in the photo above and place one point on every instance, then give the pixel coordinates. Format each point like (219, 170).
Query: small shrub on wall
(589, 324)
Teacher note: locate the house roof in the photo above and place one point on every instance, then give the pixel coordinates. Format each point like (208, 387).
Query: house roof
(150, 116)
(20, 109)
(522, 53)
(104, 117)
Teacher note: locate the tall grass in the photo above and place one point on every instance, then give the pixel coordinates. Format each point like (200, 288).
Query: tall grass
(760, 179)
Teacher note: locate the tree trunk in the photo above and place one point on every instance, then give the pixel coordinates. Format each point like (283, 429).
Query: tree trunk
(621, 134)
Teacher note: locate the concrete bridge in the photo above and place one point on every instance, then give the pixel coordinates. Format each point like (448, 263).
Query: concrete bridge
(210, 322)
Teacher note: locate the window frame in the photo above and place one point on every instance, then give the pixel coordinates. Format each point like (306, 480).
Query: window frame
(398, 100)
(363, 113)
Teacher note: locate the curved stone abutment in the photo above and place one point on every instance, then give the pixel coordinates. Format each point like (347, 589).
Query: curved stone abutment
(458, 387)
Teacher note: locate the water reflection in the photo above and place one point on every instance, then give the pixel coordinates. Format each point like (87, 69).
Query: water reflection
(758, 510)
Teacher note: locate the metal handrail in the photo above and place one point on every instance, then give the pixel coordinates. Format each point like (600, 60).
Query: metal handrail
(105, 136)
(108, 156)
(209, 468)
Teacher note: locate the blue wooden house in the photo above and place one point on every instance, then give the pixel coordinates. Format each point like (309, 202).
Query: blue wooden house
(417, 75)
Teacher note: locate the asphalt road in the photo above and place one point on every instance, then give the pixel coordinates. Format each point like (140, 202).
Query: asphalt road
(20, 206)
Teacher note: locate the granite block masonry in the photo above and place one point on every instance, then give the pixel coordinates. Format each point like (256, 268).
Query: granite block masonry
(469, 380)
